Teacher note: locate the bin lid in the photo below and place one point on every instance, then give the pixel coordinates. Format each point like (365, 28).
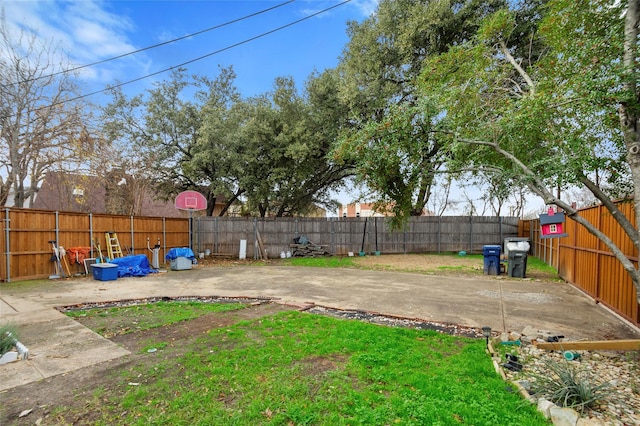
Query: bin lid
(518, 245)
(491, 249)
(104, 265)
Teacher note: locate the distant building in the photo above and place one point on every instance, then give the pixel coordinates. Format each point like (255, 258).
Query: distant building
(369, 210)
(361, 210)
(121, 195)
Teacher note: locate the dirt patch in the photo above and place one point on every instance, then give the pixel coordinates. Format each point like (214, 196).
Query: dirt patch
(435, 264)
(423, 263)
(442, 265)
(75, 389)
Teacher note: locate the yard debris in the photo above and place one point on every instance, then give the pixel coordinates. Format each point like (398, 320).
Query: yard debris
(25, 413)
(608, 345)
(303, 247)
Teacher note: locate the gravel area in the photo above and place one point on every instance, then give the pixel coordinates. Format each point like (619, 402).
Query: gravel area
(391, 321)
(618, 370)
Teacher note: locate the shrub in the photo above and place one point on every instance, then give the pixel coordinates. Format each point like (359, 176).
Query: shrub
(8, 338)
(566, 385)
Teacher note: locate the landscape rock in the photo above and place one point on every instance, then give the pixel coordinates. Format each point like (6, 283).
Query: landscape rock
(590, 422)
(9, 357)
(513, 336)
(563, 416)
(531, 333)
(544, 406)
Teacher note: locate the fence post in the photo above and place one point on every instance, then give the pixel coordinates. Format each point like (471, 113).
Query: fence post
(7, 243)
(164, 240)
(198, 233)
(216, 237)
(131, 226)
(470, 233)
(57, 230)
(332, 232)
(404, 237)
(91, 234)
(255, 238)
(439, 234)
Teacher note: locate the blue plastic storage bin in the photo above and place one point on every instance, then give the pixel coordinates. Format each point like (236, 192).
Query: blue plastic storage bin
(104, 271)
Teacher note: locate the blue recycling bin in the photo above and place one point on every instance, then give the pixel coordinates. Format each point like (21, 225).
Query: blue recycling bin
(491, 259)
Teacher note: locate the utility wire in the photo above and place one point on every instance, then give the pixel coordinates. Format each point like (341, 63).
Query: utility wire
(196, 59)
(157, 45)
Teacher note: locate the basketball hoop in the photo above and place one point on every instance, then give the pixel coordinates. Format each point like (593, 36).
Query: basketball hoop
(190, 201)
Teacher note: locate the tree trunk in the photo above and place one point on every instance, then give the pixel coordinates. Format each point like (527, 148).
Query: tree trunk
(630, 119)
(628, 110)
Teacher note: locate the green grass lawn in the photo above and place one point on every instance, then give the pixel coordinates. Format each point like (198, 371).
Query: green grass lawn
(297, 368)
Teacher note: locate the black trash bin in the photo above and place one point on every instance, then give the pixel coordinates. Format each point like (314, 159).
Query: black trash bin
(517, 266)
(516, 251)
(491, 259)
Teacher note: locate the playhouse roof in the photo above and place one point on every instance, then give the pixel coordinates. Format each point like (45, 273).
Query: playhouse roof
(547, 219)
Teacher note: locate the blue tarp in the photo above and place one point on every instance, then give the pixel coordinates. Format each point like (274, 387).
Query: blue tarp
(132, 266)
(180, 252)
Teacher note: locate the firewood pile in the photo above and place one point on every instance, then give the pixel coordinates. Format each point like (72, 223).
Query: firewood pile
(303, 247)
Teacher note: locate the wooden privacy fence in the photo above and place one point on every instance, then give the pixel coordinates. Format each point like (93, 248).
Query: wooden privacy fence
(586, 262)
(27, 253)
(339, 236)
(26, 234)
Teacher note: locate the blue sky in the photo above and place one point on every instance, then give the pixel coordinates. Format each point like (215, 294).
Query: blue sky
(90, 31)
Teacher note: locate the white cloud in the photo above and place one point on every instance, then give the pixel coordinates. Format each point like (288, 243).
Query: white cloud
(367, 7)
(85, 30)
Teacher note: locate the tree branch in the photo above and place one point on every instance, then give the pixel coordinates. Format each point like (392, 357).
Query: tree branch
(516, 65)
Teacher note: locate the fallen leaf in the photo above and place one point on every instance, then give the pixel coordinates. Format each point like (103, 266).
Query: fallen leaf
(268, 413)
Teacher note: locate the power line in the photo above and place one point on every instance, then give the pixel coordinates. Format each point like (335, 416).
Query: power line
(196, 59)
(156, 45)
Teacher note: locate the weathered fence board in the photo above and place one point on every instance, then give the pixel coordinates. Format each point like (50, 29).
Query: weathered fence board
(344, 235)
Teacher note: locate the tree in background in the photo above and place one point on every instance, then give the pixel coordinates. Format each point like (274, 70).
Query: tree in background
(162, 138)
(287, 138)
(41, 127)
(197, 133)
(569, 119)
(390, 137)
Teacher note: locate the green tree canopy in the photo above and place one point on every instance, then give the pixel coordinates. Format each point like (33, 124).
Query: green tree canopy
(287, 137)
(198, 133)
(389, 135)
(570, 118)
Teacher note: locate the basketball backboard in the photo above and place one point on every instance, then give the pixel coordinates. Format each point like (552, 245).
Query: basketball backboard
(191, 200)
